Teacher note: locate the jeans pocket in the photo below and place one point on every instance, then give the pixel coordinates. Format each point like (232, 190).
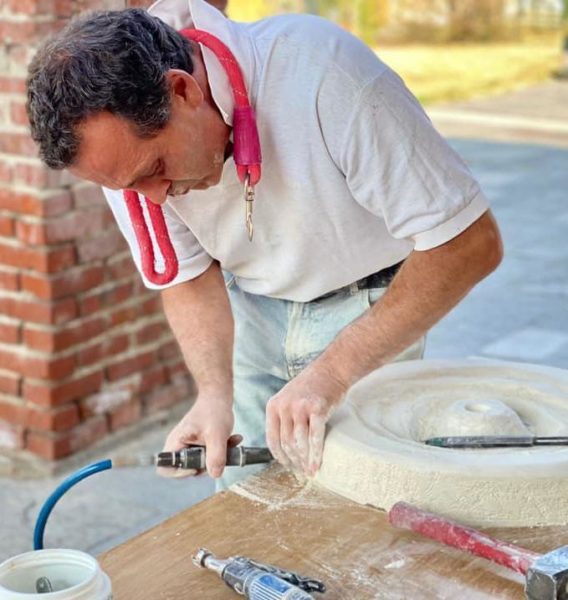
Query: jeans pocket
(230, 280)
(374, 295)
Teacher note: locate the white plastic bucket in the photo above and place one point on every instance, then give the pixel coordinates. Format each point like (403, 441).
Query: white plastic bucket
(73, 575)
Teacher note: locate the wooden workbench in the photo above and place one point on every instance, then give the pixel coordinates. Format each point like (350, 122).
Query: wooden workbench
(352, 548)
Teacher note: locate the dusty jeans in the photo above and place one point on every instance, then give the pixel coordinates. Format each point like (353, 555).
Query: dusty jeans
(274, 340)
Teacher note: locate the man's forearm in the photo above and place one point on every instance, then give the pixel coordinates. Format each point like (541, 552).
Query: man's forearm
(200, 316)
(428, 286)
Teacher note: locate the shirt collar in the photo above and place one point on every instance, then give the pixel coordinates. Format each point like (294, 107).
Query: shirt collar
(181, 14)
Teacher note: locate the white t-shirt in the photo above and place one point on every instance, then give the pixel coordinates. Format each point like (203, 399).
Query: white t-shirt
(354, 176)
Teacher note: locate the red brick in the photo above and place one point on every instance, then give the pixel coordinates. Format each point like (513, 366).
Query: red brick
(9, 279)
(153, 377)
(37, 311)
(17, 143)
(61, 338)
(10, 383)
(185, 386)
(46, 393)
(25, 31)
(175, 368)
(13, 85)
(128, 366)
(6, 172)
(152, 332)
(121, 267)
(72, 282)
(13, 412)
(6, 226)
(36, 365)
(169, 350)
(18, 114)
(101, 247)
(118, 294)
(125, 415)
(72, 226)
(35, 174)
(151, 306)
(103, 350)
(108, 399)
(64, 8)
(10, 331)
(40, 204)
(123, 315)
(59, 419)
(90, 304)
(161, 399)
(46, 261)
(31, 7)
(49, 445)
(88, 195)
(88, 433)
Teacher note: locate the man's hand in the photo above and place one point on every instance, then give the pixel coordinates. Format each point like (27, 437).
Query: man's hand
(296, 418)
(209, 423)
(200, 316)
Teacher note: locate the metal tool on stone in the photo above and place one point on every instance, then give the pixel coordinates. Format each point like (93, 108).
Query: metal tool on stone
(495, 441)
(546, 574)
(194, 457)
(258, 581)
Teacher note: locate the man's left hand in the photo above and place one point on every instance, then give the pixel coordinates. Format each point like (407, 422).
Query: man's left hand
(296, 417)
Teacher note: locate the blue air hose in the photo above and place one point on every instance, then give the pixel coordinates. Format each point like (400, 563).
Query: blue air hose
(68, 483)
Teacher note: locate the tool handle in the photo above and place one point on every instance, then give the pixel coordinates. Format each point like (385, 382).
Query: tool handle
(406, 516)
(240, 456)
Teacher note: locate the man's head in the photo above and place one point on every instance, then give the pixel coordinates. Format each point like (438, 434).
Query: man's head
(120, 99)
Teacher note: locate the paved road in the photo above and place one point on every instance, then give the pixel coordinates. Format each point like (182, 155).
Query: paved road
(519, 313)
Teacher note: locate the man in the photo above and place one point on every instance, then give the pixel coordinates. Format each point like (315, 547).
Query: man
(355, 181)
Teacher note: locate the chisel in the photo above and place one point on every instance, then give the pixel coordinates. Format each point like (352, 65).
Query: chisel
(495, 441)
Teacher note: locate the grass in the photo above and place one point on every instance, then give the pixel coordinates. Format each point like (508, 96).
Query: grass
(460, 71)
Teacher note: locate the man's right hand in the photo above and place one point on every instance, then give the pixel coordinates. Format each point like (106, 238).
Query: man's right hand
(209, 423)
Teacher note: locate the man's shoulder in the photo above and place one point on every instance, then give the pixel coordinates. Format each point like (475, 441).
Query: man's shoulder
(315, 44)
(303, 29)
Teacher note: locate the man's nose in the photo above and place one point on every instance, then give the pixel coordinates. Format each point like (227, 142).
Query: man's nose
(156, 191)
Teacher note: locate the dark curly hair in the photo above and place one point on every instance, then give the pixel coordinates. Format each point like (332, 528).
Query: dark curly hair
(104, 61)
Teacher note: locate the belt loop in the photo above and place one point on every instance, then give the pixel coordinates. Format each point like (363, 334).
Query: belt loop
(353, 288)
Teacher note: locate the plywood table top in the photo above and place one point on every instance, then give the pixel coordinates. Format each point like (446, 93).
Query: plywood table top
(276, 519)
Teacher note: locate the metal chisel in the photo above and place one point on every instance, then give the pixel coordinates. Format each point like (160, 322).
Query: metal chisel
(496, 441)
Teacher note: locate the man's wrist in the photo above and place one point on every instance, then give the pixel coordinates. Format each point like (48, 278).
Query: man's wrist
(214, 395)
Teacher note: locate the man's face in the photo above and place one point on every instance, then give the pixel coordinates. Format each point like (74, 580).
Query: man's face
(188, 153)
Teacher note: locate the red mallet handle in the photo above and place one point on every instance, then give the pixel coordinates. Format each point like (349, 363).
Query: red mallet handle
(406, 516)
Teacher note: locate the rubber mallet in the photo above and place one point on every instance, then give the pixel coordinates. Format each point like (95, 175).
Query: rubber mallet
(546, 574)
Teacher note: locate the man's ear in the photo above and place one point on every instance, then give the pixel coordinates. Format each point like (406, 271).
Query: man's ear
(184, 88)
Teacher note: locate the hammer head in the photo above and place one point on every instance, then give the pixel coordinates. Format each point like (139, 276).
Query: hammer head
(547, 577)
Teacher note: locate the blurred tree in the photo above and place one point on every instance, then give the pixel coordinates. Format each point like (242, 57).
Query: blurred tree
(372, 16)
(475, 19)
(363, 17)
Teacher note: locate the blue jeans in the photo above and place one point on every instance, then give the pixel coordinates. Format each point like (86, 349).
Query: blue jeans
(274, 340)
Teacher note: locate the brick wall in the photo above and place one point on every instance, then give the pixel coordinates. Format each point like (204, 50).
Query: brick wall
(84, 347)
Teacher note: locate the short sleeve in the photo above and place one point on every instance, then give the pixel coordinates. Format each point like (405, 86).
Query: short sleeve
(192, 258)
(401, 169)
